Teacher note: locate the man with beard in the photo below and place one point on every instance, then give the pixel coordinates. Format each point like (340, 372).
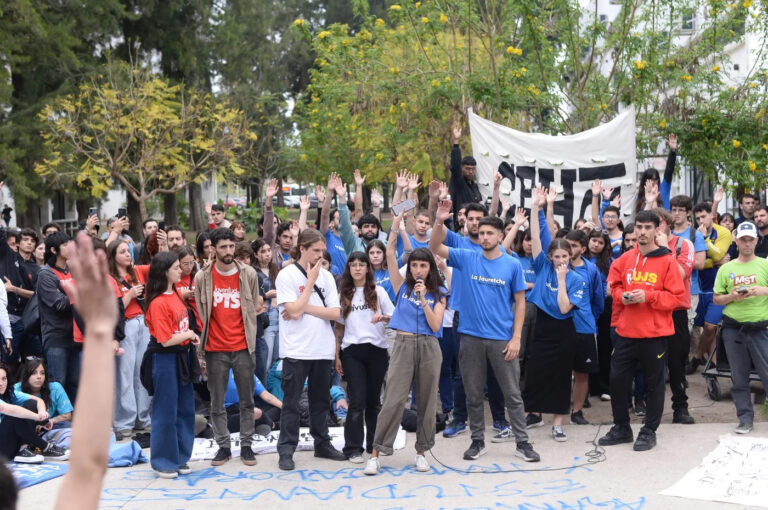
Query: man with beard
(227, 296)
(368, 225)
(761, 220)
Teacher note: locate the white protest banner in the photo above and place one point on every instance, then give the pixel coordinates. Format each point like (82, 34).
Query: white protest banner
(571, 163)
(205, 449)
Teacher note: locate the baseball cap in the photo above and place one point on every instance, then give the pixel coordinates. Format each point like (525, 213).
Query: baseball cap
(746, 229)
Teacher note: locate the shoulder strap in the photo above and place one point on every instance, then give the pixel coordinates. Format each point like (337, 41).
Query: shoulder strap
(679, 246)
(319, 292)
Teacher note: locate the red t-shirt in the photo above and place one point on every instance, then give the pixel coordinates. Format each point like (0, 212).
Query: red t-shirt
(133, 309)
(78, 335)
(188, 283)
(167, 316)
(226, 332)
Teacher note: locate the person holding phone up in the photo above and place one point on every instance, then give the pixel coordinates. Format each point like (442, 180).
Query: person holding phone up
(742, 286)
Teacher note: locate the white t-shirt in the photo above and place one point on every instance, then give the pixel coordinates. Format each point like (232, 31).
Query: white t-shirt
(308, 337)
(357, 326)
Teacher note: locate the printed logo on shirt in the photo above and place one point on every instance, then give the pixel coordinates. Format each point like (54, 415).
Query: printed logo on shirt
(743, 279)
(228, 298)
(415, 301)
(641, 277)
(489, 281)
(360, 308)
(183, 322)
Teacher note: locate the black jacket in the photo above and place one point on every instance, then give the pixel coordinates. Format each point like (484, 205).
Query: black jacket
(462, 192)
(12, 266)
(55, 310)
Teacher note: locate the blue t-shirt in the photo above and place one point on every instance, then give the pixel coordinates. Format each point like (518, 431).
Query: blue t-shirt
(585, 317)
(408, 315)
(544, 293)
(526, 263)
(60, 403)
(603, 276)
(231, 397)
(454, 240)
(699, 244)
(489, 287)
(335, 247)
(381, 277)
(418, 244)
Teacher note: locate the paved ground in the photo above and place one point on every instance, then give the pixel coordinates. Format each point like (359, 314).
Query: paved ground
(625, 479)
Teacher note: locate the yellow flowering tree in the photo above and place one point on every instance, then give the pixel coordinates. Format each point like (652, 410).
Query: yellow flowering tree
(383, 97)
(134, 128)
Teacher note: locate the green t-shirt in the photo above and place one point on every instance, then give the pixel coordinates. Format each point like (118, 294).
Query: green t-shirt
(735, 274)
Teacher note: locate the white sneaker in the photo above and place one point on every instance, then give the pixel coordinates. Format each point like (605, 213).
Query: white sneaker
(605, 397)
(422, 465)
(372, 467)
(356, 459)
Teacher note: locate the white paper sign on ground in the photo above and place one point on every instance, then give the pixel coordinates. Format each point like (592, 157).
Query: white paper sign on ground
(734, 472)
(205, 449)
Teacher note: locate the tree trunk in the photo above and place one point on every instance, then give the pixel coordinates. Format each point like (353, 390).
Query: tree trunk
(196, 208)
(280, 201)
(135, 217)
(169, 210)
(82, 206)
(385, 205)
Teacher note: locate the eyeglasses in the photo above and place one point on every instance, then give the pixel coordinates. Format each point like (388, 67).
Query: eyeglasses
(600, 230)
(610, 217)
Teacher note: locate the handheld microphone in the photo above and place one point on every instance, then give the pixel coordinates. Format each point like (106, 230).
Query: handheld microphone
(418, 294)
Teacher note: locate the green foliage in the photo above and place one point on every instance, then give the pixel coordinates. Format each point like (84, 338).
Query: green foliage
(250, 216)
(136, 129)
(383, 97)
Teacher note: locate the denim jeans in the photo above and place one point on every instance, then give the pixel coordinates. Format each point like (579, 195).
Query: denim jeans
(173, 416)
(271, 337)
(132, 400)
(261, 360)
(64, 367)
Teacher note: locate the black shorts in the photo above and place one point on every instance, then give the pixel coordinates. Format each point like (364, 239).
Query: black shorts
(585, 354)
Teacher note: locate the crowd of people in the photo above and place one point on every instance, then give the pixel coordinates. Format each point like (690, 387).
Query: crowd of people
(345, 322)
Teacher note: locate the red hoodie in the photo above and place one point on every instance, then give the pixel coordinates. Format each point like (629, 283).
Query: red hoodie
(656, 273)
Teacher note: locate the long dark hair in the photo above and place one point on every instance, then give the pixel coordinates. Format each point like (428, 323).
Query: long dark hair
(157, 281)
(376, 243)
(347, 285)
(27, 370)
(605, 257)
(111, 253)
(433, 281)
(517, 245)
(649, 174)
(273, 269)
(9, 395)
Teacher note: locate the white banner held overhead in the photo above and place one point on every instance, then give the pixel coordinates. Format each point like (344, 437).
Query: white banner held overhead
(571, 162)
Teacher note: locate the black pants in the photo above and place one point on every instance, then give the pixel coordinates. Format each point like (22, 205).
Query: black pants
(270, 415)
(679, 345)
(650, 353)
(599, 383)
(295, 372)
(365, 366)
(16, 432)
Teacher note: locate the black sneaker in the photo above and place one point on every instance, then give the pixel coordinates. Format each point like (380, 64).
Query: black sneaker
(640, 407)
(53, 452)
(617, 435)
(27, 456)
(526, 452)
(587, 403)
(577, 418)
(247, 456)
(533, 420)
(682, 416)
(222, 456)
(327, 451)
(646, 439)
(692, 365)
(184, 469)
(475, 450)
(286, 463)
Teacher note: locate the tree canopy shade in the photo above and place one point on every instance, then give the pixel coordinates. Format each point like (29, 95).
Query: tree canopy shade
(382, 97)
(131, 127)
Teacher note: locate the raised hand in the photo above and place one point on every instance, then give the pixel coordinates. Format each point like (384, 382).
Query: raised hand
(304, 203)
(444, 193)
(376, 198)
(597, 187)
(359, 179)
(651, 191)
(551, 194)
(538, 197)
(208, 209)
(320, 193)
(505, 205)
(719, 195)
(672, 141)
(294, 228)
(271, 191)
(456, 132)
(401, 179)
(497, 178)
(520, 216)
(413, 182)
(616, 202)
(443, 210)
(434, 189)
